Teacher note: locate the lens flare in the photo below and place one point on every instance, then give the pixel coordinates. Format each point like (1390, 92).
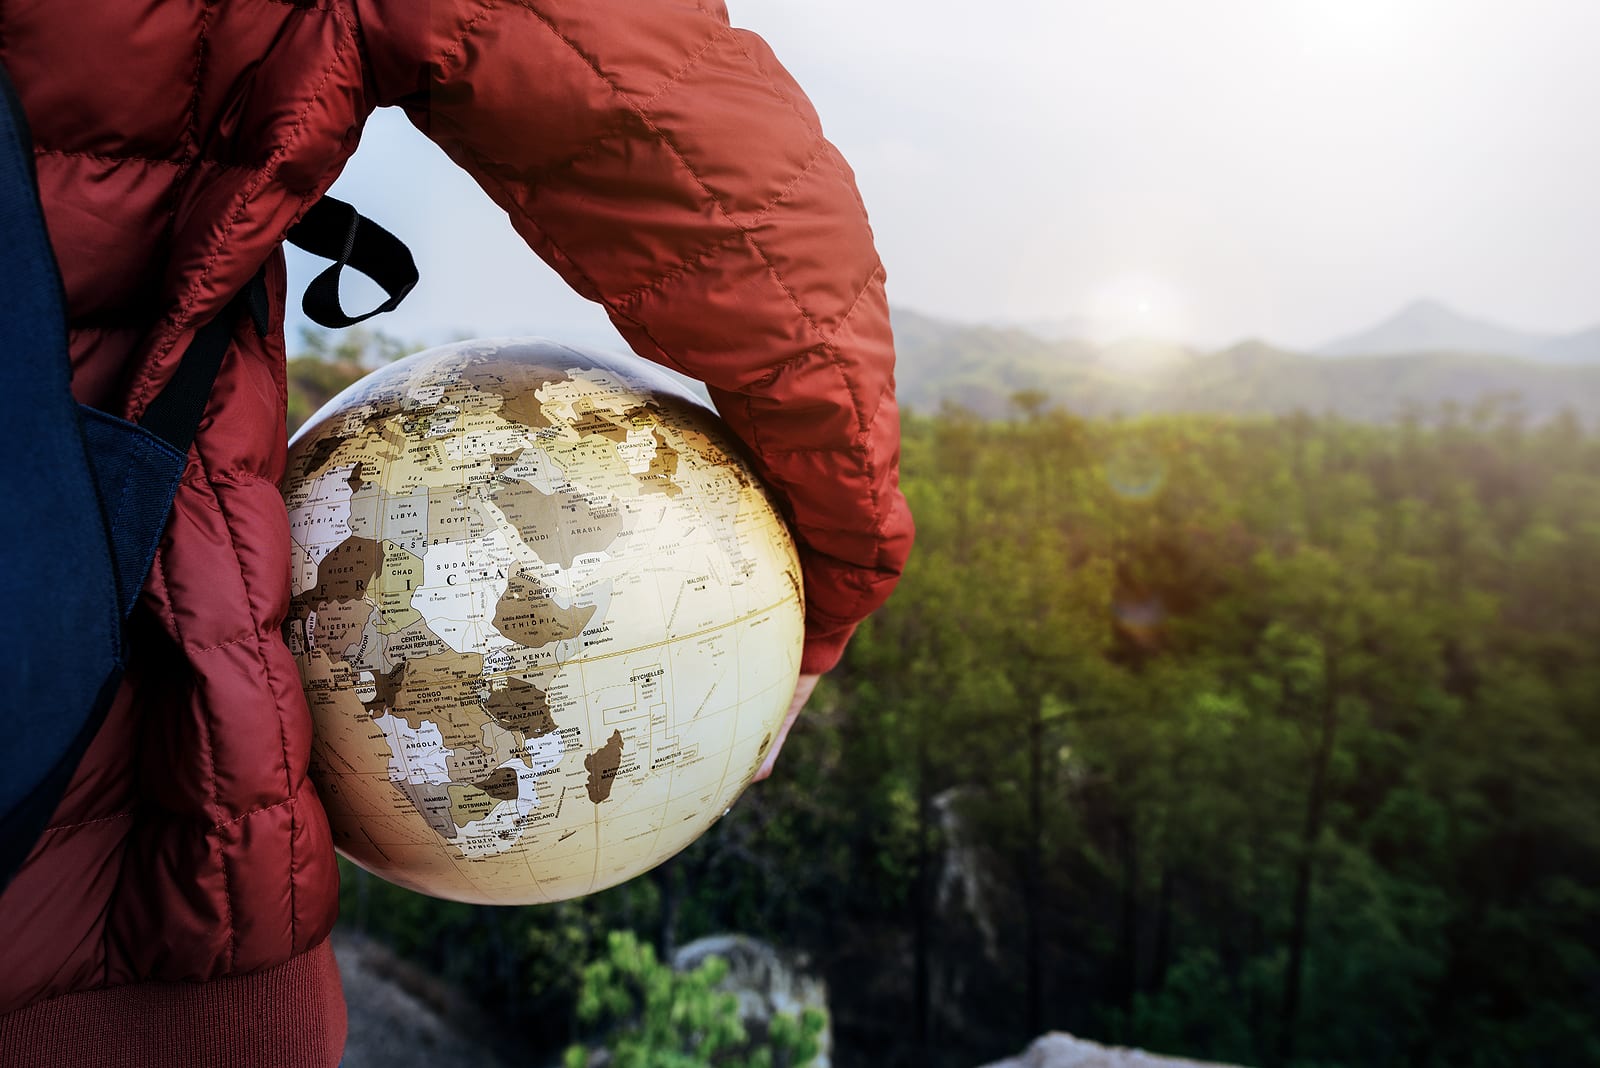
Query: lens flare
(1141, 618)
(1135, 471)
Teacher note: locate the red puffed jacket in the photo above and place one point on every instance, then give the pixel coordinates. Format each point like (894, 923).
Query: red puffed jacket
(177, 911)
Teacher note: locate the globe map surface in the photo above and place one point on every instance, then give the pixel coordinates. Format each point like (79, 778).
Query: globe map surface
(547, 619)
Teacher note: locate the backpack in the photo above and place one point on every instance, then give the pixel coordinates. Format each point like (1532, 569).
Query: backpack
(87, 495)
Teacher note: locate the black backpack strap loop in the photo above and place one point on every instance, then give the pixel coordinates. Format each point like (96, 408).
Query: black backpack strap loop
(336, 231)
(331, 229)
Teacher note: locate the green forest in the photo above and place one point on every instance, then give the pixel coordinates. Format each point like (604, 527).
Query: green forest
(1270, 740)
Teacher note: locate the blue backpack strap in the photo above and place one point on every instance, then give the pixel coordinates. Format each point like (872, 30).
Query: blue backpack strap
(62, 625)
(87, 494)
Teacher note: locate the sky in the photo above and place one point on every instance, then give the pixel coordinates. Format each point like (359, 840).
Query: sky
(1196, 170)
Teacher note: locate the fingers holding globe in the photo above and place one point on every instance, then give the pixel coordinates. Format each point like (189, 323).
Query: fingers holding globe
(547, 618)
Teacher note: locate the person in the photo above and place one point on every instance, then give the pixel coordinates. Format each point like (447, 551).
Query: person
(177, 910)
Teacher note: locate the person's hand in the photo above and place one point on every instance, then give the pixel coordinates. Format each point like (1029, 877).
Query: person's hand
(802, 693)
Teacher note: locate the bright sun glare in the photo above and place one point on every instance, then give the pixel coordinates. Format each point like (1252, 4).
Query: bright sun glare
(1136, 306)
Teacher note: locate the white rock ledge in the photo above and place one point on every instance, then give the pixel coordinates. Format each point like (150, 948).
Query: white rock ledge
(1057, 1050)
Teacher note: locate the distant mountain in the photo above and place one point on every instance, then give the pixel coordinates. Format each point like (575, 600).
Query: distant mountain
(1143, 356)
(1069, 328)
(1582, 347)
(1429, 326)
(1256, 379)
(979, 367)
(982, 368)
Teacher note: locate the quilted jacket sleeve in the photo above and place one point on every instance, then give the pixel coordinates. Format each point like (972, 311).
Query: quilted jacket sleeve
(668, 167)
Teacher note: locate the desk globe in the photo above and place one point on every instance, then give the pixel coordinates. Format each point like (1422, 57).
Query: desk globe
(547, 618)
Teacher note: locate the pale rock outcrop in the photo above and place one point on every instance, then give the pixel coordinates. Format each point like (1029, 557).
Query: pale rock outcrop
(402, 1017)
(765, 981)
(1057, 1050)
